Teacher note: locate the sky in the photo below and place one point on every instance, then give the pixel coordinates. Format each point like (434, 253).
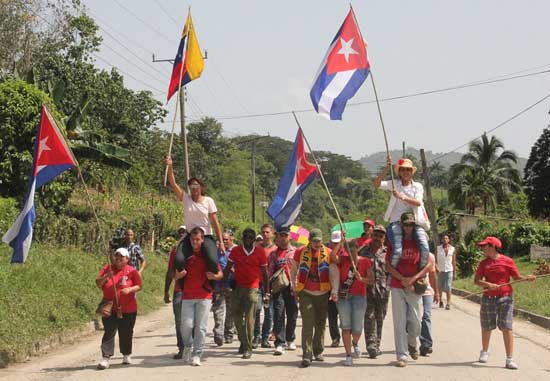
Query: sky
(263, 56)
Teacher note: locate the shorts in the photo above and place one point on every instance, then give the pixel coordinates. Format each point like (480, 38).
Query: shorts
(351, 312)
(496, 311)
(445, 281)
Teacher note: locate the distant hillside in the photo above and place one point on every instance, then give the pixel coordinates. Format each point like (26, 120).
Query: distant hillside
(374, 161)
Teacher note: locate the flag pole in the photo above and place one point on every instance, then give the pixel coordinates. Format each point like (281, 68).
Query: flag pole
(181, 100)
(105, 246)
(377, 100)
(326, 188)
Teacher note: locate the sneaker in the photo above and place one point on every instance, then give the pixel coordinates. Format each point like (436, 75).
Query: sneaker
(401, 363)
(196, 361)
(483, 357)
(187, 355)
(179, 355)
(510, 364)
(319, 357)
(413, 353)
(127, 359)
(103, 364)
(218, 341)
(291, 346)
(357, 351)
(373, 353)
(440, 304)
(335, 343)
(448, 307)
(348, 361)
(279, 350)
(266, 344)
(378, 352)
(255, 342)
(305, 363)
(425, 351)
(247, 355)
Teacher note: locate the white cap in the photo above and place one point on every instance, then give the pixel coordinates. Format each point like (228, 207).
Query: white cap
(182, 227)
(259, 237)
(122, 251)
(336, 236)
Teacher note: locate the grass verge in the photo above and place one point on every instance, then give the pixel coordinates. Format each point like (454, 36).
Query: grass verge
(533, 297)
(55, 291)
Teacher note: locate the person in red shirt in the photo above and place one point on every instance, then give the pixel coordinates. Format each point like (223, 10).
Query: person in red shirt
(366, 237)
(406, 303)
(354, 274)
(123, 278)
(196, 298)
(497, 304)
(250, 263)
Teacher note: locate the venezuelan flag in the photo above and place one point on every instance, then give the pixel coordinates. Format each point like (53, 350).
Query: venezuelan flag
(189, 55)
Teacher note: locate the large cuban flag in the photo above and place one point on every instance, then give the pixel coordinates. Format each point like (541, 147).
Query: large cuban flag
(52, 156)
(343, 70)
(299, 173)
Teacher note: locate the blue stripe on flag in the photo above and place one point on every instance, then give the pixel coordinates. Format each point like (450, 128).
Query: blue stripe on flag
(339, 103)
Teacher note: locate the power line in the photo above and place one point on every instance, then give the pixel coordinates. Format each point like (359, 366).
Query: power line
(495, 128)
(142, 21)
(167, 13)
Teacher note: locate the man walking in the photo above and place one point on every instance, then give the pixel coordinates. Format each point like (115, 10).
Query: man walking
(250, 264)
(333, 328)
(446, 263)
(378, 293)
(137, 259)
(221, 302)
(279, 265)
(314, 277)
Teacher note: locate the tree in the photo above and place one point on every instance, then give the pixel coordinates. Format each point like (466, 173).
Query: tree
(484, 175)
(537, 176)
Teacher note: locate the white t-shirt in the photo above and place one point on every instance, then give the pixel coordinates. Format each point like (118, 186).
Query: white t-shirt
(196, 213)
(429, 290)
(445, 262)
(398, 207)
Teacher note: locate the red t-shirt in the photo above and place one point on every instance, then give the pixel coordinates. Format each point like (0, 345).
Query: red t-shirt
(124, 278)
(363, 264)
(363, 241)
(498, 271)
(268, 250)
(313, 281)
(248, 267)
(408, 264)
(197, 285)
(171, 261)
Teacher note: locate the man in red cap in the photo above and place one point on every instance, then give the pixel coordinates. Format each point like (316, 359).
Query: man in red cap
(497, 304)
(366, 237)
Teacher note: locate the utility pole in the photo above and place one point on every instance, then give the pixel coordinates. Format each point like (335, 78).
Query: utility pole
(253, 188)
(403, 149)
(430, 204)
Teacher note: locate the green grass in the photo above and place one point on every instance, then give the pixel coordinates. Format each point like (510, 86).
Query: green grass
(55, 291)
(533, 297)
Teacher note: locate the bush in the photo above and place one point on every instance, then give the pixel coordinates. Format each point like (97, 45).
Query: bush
(467, 258)
(8, 213)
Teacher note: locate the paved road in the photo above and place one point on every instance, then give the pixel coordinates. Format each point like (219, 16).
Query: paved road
(456, 334)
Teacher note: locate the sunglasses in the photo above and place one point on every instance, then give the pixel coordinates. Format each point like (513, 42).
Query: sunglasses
(194, 186)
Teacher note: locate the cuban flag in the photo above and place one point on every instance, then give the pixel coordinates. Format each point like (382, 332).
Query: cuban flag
(299, 173)
(51, 157)
(343, 70)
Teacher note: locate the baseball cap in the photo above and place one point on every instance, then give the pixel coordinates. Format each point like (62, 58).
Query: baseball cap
(122, 251)
(408, 218)
(370, 222)
(336, 236)
(379, 228)
(491, 241)
(283, 230)
(182, 227)
(259, 237)
(315, 235)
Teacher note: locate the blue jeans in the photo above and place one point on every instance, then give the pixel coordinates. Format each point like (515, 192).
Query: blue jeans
(284, 302)
(194, 322)
(426, 341)
(395, 235)
(352, 312)
(268, 318)
(176, 306)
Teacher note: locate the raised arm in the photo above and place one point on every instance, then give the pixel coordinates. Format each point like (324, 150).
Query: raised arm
(172, 179)
(382, 175)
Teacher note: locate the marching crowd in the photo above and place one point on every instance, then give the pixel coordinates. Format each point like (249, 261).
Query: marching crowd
(349, 281)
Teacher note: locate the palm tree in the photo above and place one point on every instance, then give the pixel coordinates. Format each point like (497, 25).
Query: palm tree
(484, 175)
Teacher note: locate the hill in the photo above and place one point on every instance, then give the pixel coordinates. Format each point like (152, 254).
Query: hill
(374, 161)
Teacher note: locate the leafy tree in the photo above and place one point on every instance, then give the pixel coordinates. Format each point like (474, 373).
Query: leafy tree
(484, 175)
(537, 176)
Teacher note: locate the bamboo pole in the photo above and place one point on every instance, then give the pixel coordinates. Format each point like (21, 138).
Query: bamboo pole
(505, 284)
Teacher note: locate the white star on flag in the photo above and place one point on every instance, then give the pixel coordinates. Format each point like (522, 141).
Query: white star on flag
(299, 166)
(346, 48)
(43, 146)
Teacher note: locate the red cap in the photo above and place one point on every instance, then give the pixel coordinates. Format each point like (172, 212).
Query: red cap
(370, 222)
(491, 241)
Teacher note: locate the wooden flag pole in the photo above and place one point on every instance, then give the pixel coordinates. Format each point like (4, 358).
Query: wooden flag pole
(326, 188)
(505, 284)
(181, 101)
(377, 101)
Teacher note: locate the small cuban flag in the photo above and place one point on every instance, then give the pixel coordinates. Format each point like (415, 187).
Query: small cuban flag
(52, 156)
(299, 173)
(343, 70)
